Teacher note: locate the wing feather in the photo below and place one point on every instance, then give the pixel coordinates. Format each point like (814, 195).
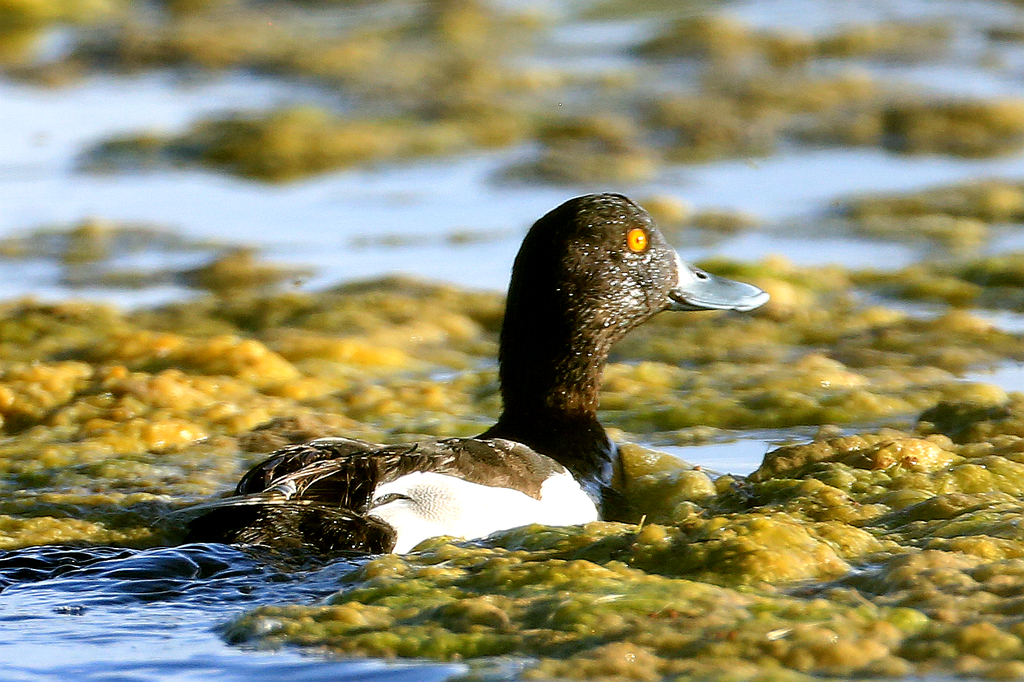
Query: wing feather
(318, 494)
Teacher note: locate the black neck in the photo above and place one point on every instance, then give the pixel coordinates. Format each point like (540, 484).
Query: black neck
(571, 297)
(551, 360)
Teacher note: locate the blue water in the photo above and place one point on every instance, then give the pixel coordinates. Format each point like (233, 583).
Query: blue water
(103, 614)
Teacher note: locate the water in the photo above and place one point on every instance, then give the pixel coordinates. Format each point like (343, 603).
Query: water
(155, 612)
(104, 614)
(739, 457)
(316, 222)
(319, 222)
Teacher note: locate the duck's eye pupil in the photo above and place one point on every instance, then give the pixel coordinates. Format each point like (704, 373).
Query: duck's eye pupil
(636, 239)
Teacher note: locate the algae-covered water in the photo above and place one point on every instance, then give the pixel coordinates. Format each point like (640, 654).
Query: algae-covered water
(204, 207)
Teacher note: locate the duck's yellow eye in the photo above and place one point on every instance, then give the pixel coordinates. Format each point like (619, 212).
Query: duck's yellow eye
(637, 240)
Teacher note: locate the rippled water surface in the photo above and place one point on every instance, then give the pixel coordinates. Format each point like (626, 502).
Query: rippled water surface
(115, 614)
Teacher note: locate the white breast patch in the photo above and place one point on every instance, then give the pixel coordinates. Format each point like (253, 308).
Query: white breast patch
(437, 504)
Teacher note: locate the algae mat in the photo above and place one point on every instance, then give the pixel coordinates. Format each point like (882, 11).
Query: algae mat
(889, 553)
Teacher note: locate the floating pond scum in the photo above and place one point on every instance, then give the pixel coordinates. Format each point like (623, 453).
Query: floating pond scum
(231, 226)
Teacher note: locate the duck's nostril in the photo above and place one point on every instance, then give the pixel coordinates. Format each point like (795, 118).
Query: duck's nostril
(700, 275)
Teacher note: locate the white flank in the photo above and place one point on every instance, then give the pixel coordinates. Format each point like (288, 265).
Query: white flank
(438, 504)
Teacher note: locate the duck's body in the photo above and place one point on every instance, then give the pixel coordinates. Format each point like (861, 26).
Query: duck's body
(343, 493)
(587, 273)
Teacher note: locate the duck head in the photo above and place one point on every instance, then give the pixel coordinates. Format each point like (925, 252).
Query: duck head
(602, 261)
(587, 273)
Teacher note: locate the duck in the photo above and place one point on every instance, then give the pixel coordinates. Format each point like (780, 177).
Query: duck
(587, 273)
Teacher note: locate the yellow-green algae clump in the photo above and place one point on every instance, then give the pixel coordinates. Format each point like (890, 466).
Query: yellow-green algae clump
(294, 142)
(111, 419)
(884, 554)
(887, 553)
(451, 76)
(962, 216)
(19, 13)
(725, 39)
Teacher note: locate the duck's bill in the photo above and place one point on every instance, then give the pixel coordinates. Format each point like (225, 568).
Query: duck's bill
(699, 290)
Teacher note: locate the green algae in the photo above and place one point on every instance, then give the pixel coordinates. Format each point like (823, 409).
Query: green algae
(675, 217)
(95, 239)
(102, 406)
(590, 148)
(731, 116)
(20, 13)
(626, 623)
(888, 553)
(19, 44)
(176, 402)
(87, 253)
(342, 45)
(296, 142)
(991, 200)
(461, 75)
(987, 282)
(886, 583)
(721, 38)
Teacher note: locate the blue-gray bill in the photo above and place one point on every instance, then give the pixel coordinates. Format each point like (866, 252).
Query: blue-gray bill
(699, 290)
